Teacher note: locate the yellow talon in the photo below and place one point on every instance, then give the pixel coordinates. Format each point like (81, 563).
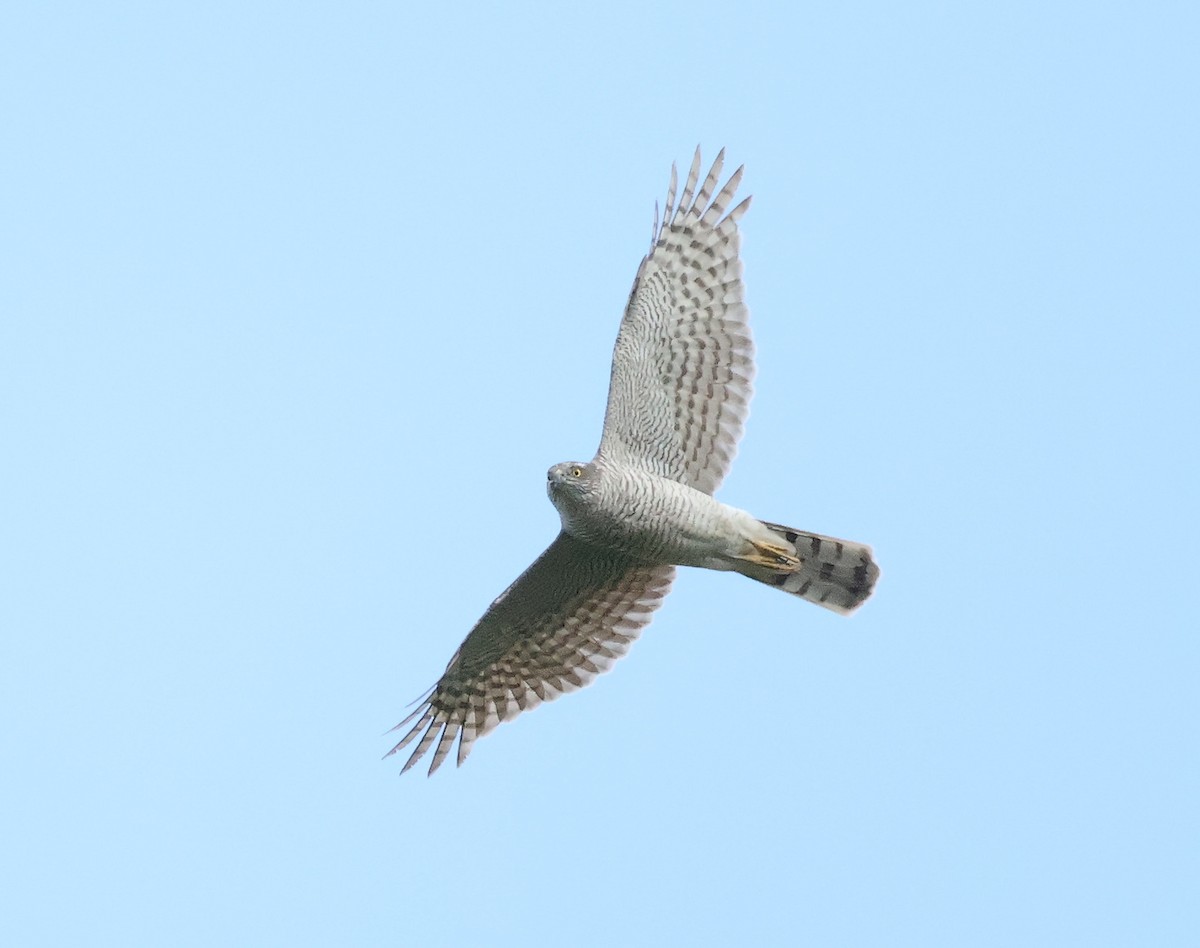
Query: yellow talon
(772, 556)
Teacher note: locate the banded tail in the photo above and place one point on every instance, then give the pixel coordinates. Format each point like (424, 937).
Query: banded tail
(833, 573)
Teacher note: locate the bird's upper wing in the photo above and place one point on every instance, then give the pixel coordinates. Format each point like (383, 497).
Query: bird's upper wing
(565, 620)
(684, 359)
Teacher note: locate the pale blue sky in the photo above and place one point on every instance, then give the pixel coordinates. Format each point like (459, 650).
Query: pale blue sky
(299, 301)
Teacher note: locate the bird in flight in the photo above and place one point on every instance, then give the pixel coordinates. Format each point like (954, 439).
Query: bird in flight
(680, 387)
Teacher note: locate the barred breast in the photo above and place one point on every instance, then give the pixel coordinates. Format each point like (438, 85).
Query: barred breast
(659, 520)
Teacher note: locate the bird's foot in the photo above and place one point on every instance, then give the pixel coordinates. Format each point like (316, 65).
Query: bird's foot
(772, 556)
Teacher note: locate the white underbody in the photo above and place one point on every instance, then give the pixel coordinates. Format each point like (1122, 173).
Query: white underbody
(657, 520)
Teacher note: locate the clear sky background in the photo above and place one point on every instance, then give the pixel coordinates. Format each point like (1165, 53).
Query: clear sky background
(298, 303)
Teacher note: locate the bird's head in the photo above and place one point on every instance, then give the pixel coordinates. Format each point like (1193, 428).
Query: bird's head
(571, 482)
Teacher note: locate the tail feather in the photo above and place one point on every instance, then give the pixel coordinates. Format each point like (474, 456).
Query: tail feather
(837, 574)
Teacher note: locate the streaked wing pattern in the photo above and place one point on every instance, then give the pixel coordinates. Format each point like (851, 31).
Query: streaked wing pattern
(684, 359)
(564, 621)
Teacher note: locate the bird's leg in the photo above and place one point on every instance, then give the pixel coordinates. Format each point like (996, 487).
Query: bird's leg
(772, 556)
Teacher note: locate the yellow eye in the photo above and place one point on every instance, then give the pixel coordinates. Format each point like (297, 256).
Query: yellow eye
(577, 472)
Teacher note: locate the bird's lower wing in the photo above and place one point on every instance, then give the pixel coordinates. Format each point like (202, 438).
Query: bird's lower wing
(565, 620)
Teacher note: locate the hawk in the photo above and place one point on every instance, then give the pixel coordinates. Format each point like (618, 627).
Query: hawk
(680, 387)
